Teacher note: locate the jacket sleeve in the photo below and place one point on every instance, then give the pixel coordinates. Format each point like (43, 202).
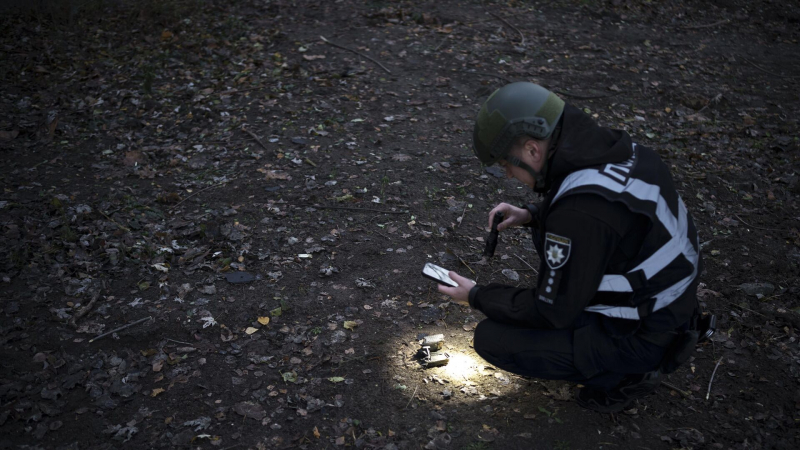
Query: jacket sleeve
(592, 241)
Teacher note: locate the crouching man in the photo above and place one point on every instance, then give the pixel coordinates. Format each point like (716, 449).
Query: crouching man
(615, 303)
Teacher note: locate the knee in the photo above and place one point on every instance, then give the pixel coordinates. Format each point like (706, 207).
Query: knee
(486, 338)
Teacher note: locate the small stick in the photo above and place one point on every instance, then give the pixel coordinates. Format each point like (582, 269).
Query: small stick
(468, 267)
(201, 190)
(357, 53)
(179, 342)
(526, 263)
(441, 43)
(695, 27)
(355, 209)
(120, 328)
(767, 71)
(522, 42)
(123, 228)
(412, 396)
(712, 378)
(685, 393)
(310, 162)
(253, 135)
(85, 310)
(757, 228)
(588, 97)
(462, 215)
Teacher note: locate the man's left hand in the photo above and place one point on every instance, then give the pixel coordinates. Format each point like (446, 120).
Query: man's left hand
(460, 293)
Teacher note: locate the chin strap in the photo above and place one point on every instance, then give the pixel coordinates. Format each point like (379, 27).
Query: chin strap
(538, 177)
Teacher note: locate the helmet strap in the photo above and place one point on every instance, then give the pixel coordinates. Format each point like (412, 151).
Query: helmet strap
(538, 177)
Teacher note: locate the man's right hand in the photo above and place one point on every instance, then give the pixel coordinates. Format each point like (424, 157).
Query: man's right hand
(513, 216)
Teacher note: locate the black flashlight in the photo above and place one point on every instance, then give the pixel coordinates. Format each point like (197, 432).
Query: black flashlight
(491, 242)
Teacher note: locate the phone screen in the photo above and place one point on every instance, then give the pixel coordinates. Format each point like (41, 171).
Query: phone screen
(438, 274)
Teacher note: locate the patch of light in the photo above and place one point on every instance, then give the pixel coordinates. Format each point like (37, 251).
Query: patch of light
(461, 367)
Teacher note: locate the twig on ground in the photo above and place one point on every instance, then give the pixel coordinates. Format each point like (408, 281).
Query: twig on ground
(708, 393)
(486, 74)
(467, 265)
(85, 310)
(748, 309)
(236, 91)
(179, 342)
(767, 71)
(201, 190)
(588, 97)
(357, 53)
(310, 162)
(684, 393)
(708, 25)
(121, 227)
(526, 263)
(355, 209)
(412, 396)
(757, 228)
(461, 219)
(441, 43)
(120, 328)
(522, 37)
(253, 135)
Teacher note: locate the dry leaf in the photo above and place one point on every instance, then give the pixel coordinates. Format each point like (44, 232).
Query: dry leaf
(156, 391)
(350, 325)
(263, 320)
(277, 175)
(313, 57)
(133, 158)
(316, 432)
(250, 330)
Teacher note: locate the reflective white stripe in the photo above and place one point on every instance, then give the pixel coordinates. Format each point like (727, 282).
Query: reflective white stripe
(661, 258)
(619, 312)
(615, 283)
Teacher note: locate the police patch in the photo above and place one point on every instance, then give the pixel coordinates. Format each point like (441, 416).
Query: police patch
(556, 250)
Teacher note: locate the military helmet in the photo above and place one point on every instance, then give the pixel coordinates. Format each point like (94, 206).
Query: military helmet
(514, 110)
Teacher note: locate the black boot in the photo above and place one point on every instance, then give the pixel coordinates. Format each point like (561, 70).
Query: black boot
(615, 400)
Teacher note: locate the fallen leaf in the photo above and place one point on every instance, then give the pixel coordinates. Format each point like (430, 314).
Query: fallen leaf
(8, 135)
(250, 409)
(133, 158)
(316, 432)
(250, 330)
(158, 365)
(313, 57)
(336, 379)
(263, 320)
(350, 325)
(277, 175)
(156, 391)
(291, 376)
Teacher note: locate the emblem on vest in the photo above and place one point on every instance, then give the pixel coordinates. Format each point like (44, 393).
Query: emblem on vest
(556, 249)
(620, 172)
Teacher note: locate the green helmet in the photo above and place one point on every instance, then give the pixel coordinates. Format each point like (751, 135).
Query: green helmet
(514, 110)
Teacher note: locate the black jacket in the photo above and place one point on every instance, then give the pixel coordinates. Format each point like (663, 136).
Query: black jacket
(605, 238)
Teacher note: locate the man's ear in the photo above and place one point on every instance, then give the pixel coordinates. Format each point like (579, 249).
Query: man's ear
(535, 149)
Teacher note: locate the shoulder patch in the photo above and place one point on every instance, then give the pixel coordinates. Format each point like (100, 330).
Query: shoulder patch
(557, 250)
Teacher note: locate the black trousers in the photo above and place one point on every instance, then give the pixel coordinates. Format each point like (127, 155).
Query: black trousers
(585, 353)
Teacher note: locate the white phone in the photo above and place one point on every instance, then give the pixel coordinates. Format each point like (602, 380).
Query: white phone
(438, 274)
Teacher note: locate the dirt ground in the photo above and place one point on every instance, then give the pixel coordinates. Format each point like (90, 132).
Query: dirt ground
(259, 203)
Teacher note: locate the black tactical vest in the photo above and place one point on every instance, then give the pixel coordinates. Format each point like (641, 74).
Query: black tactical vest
(667, 263)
